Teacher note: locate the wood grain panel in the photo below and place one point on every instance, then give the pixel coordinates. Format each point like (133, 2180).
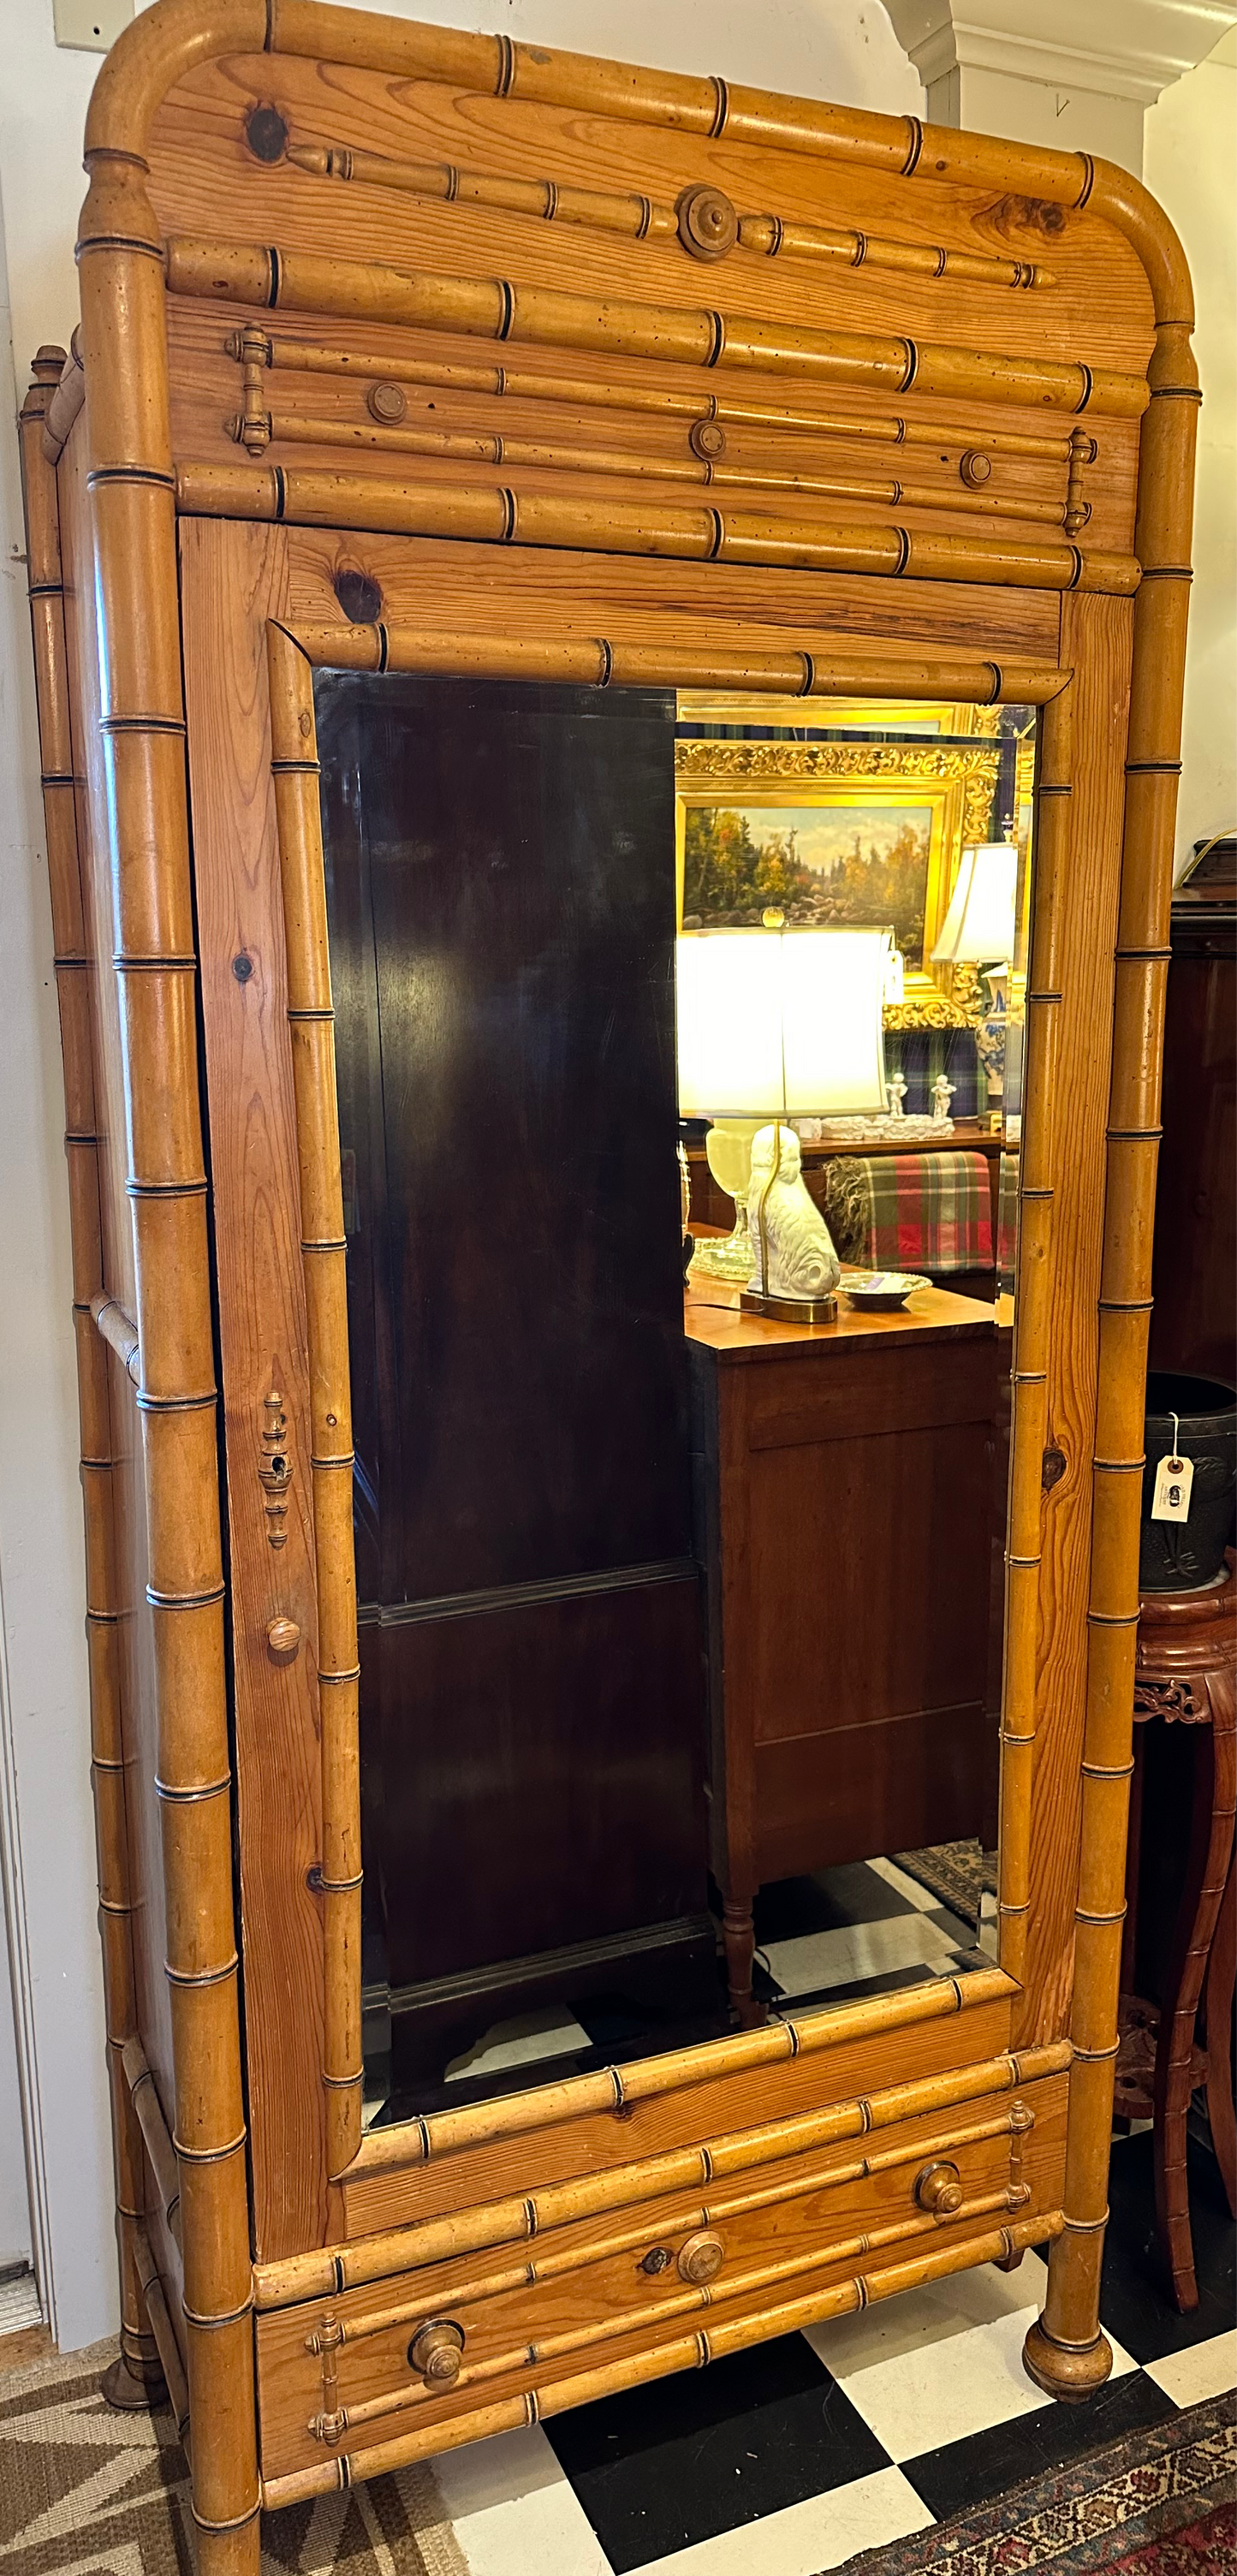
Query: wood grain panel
(683, 606)
(1095, 642)
(1100, 304)
(375, 2199)
(1020, 494)
(233, 579)
(608, 2287)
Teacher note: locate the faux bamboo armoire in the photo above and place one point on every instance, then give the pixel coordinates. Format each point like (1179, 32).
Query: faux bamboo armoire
(789, 400)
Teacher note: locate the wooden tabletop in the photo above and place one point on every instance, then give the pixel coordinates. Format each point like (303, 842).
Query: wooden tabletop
(967, 1136)
(712, 1317)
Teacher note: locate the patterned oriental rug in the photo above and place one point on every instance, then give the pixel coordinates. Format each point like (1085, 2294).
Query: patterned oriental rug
(958, 1873)
(1159, 2503)
(83, 2488)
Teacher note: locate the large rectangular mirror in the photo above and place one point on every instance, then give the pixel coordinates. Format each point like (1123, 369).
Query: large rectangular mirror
(680, 1543)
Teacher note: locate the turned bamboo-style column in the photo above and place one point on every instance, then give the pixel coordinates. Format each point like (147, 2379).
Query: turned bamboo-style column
(131, 2380)
(256, 349)
(142, 725)
(493, 514)
(1066, 2352)
(292, 280)
(596, 661)
(1033, 1323)
(703, 220)
(311, 1020)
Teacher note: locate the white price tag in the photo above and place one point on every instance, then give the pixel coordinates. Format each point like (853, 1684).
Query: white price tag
(1173, 1479)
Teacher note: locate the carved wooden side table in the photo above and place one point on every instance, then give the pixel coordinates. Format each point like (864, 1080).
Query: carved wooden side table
(1185, 1674)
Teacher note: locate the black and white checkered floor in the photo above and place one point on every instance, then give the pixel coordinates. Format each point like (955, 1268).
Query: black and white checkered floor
(787, 2459)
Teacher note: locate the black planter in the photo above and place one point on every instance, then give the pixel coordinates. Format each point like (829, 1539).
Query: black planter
(1181, 1556)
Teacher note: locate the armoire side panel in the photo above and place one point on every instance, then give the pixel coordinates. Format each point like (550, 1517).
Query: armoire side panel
(128, 1479)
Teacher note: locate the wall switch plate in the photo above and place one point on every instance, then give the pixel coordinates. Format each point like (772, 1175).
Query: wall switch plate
(90, 25)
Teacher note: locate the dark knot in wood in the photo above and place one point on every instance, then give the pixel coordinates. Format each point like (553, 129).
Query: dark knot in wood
(359, 597)
(265, 133)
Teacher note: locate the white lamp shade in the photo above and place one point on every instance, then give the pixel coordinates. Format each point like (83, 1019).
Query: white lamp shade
(979, 925)
(781, 1023)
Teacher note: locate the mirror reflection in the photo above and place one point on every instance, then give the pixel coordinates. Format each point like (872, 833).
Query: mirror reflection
(679, 1065)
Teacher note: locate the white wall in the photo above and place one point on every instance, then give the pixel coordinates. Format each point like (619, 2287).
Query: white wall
(1189, 162)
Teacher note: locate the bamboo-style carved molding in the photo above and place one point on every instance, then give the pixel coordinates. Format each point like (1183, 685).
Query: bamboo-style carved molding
(139, 2361)
(278, 279)
(68, 395)
(690, 2352)
(519, 2218)
(311, 1024)
(120, 1332)
(568, 2262)
(156, 2136)
(252, 345)
(1038, 1155)
(164, 2336)
(333, 2423)
(272, 429)
(834, 666)
(129, 471)
(701, 218)
(501, 515)
(1066, 2347)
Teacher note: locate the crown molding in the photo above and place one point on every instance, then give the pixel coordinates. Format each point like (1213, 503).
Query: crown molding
(1132, 52)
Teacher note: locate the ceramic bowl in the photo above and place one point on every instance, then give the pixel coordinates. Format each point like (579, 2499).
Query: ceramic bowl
(880, 1292)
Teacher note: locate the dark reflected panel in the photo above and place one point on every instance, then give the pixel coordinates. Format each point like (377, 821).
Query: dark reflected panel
(501, 895)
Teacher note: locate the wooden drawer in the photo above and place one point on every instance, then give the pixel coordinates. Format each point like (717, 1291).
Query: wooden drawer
(790, 2235)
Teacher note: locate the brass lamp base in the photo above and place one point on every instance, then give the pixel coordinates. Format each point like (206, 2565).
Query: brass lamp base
(788, 1310)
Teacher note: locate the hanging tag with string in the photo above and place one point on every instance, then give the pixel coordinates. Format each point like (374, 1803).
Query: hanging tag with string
(1173, 1479)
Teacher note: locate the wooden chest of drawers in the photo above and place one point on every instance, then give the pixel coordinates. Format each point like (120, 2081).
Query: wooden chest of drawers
(522, 2306)
(847, 1519)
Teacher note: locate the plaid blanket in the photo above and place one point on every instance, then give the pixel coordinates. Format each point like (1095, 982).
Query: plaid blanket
(926, 1211)
(919, 1055)
(1007, 1219)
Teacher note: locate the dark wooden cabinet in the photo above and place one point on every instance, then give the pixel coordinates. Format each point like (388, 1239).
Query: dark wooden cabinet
(1193, 1322)
(845, 1517)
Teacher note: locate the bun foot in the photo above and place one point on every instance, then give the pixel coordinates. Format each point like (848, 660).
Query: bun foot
(122, 2388)
(1062, 2371)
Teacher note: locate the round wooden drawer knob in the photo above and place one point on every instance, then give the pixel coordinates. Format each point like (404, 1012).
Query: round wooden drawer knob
(938, 2189)
(701, 2259)
(283, 1637)
(437, 2352)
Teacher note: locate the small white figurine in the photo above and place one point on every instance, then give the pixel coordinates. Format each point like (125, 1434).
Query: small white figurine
(802, 1261)
(895, 1094)
(942, 1094)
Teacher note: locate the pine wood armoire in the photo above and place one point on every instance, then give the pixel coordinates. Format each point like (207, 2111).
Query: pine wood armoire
(789, 400)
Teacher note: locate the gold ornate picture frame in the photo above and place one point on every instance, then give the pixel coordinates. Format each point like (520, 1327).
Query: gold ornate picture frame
(946, 791)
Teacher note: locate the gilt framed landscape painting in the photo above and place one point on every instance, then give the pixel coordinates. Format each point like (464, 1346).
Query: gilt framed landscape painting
(837, 834)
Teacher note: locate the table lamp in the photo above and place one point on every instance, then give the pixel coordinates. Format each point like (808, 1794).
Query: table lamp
(776, 1023)
(978, 930)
